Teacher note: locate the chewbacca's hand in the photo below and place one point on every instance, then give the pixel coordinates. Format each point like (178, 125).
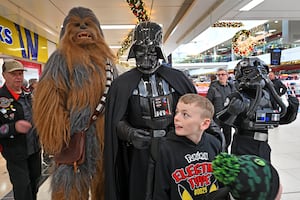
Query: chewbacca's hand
(23, 126)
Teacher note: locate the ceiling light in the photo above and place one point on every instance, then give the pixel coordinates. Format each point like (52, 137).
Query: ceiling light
(222, 49)
(265, 32)
(118, 27)
(260, 32)
(251, 5)
(115, 46)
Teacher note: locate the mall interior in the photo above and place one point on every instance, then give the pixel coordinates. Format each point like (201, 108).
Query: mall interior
(199, 37)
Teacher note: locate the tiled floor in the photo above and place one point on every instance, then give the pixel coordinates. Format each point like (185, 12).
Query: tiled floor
(5, 185)
(285, 143)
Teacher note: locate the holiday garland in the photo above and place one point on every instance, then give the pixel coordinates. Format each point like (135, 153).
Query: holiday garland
(228, 24)
(125, 44)
(137, 8)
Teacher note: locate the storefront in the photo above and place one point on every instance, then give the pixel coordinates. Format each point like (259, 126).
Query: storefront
(17, 42)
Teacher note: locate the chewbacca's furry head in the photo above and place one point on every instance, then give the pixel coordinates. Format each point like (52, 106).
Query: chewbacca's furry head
(80, 13)
(81, 39)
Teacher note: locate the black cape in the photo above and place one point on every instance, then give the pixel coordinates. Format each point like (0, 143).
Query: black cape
(116, 106)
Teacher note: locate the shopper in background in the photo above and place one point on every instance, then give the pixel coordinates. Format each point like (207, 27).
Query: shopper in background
(32, 84)
(278, 84)
(213, 77)
(19, 141)
(25, 84)
(217, 93)
(46, 158)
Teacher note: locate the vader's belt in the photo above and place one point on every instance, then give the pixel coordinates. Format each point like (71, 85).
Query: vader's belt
(158, 133)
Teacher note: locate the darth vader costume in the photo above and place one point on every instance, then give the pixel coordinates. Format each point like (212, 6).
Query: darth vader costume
(142, 105)
(250, 110)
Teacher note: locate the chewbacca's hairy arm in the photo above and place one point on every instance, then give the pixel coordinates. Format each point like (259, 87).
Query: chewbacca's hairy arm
(50, 114)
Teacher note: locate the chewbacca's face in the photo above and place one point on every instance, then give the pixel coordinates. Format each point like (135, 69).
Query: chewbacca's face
(82, 31)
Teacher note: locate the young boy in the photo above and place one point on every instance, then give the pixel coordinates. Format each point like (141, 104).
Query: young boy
(184, 159)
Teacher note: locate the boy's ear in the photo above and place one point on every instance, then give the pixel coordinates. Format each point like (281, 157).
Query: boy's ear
(205, 123)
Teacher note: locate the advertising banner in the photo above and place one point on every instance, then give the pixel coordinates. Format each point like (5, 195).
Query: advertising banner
(18, 41)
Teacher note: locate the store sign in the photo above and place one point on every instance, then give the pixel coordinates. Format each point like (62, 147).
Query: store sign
(18, 41)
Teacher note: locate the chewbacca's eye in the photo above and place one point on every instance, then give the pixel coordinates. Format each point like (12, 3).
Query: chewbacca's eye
(77, 24)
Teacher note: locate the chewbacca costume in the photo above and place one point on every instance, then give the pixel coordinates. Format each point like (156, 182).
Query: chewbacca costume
(71, 86)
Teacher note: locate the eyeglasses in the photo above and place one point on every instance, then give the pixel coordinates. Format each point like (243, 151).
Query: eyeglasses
(221, 74)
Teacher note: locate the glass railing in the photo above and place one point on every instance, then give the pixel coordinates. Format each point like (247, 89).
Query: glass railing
(229, 56)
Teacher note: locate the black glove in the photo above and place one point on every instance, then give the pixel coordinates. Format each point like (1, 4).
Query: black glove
(230, 112)
(215, 130)
(291, 112)
(140, 139)
(236, 106)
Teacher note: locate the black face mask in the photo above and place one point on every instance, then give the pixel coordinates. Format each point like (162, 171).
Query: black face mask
(146, 58)
(147, 38)
(250, 73)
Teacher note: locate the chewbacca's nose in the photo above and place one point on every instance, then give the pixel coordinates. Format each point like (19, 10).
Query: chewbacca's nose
(82, 26)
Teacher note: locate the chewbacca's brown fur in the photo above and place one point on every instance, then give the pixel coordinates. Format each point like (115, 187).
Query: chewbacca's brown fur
(62, 90)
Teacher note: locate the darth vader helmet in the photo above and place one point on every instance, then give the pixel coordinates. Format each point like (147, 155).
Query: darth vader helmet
(251, 72)
(146, 46)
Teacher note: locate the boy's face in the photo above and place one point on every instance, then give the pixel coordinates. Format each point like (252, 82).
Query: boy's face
(188, 121)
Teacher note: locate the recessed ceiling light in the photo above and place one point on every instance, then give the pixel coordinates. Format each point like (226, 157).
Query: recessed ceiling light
(115, 46)
(260, 32)
(251, 5)
(117, 26)
(223, 49)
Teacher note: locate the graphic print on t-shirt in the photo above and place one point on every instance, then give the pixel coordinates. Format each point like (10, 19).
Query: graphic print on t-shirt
(196, 178)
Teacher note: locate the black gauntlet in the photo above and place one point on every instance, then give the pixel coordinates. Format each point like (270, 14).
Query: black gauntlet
(215, 130)
(139, 138)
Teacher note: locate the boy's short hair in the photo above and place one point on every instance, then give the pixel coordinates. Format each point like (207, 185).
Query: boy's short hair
(207, 108)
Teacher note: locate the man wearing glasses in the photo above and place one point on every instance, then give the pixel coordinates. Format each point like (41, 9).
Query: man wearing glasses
(217, 93)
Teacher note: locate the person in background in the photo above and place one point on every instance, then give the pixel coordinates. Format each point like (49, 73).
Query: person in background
(212, 77)
(247, 177)
(217, 93)
(278, 84)
(20, 145)
(183, 152)
(32, 84)
(25, 84)
(47, 159)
